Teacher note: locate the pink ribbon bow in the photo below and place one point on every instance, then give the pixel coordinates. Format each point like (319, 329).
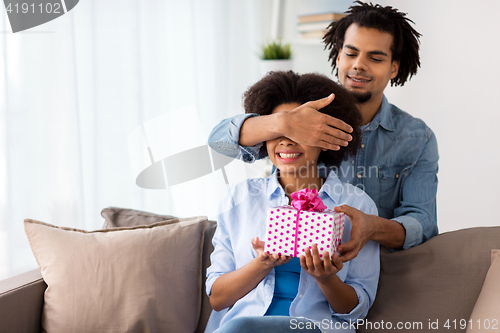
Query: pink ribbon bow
(308, 200)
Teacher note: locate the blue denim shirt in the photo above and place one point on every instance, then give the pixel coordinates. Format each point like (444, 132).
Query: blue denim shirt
(396, 165)
(242, 216)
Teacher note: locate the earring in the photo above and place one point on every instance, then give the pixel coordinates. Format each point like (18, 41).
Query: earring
(324, 149)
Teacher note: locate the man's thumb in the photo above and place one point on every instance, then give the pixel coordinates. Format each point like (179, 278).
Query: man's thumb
(344, 209)
(321, 103)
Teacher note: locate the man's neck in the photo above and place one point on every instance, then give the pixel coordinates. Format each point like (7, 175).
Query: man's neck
(369, 109)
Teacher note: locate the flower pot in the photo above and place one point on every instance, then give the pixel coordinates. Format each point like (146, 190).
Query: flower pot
(267, 66)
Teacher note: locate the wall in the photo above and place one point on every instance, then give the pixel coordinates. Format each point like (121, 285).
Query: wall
(455, 93)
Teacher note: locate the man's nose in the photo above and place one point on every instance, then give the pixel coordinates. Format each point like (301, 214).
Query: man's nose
(359, 64)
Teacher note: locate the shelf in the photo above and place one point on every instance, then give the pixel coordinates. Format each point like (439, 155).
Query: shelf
(311, 41)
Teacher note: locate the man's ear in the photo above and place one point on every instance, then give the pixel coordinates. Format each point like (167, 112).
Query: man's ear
(338, 57)
(394, 68)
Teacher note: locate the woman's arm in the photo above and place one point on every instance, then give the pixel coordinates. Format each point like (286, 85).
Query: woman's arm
(230, 287)
(341, 296)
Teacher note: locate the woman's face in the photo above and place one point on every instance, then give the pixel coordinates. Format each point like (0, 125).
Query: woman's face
(290, 157)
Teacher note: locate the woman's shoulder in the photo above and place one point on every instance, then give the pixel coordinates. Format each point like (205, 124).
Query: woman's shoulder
(357, 198)
(346, 193)
(247, 184)
(242, 191)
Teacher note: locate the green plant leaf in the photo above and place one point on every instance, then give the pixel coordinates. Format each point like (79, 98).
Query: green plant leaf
(275, 50)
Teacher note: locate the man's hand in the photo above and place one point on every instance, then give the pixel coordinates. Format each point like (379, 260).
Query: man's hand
(270, 260)
(305, 125)
(320, 270)
(362, 231)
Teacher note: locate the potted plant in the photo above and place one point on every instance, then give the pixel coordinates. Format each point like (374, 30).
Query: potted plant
(275, 56)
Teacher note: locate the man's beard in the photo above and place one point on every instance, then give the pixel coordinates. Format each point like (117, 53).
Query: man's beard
(362, 97)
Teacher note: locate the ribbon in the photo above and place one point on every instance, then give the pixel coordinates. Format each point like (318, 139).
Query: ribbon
(307, 200)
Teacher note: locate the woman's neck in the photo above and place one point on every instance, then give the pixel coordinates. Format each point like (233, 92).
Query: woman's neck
(293, 183)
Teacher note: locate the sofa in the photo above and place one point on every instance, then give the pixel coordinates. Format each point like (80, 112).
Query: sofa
(431, 287)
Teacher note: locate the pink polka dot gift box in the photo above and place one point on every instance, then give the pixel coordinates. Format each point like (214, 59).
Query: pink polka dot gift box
(292, 229)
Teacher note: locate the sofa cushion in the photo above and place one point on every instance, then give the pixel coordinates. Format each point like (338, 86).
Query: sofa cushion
(123, 217)
(436, 282)
(137, 279)
(486, 314)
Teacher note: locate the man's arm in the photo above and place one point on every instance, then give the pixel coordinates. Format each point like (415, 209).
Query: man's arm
(415, 218)
(417, 211)
(242, 135)
(304, 125)
(367, 227)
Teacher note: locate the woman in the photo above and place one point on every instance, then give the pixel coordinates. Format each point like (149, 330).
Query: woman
(252, 291)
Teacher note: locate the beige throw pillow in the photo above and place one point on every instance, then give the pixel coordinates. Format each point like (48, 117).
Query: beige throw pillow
(486, 314)
(124, 217)
(120, 280)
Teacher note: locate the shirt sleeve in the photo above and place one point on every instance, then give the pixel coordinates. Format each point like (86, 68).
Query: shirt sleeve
(225, 136)
(222, 258)
(417, 209)
(363, 272)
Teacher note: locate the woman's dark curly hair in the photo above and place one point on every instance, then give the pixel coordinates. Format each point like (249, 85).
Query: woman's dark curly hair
(405, 44)
(278, 88)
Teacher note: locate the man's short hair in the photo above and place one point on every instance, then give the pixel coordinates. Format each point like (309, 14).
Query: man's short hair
(405, 44)
(278, 88)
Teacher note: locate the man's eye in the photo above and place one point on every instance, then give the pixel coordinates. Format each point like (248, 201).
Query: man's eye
(376, 60)
(350, 54)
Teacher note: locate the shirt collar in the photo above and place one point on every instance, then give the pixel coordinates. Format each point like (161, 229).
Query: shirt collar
(383, 117)
(332, 186)
(273, 185)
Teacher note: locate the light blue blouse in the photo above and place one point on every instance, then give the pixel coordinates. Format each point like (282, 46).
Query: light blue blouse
(242, 216)
(397, 166)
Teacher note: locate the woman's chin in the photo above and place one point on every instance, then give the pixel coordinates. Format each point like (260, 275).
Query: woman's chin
(296, 171)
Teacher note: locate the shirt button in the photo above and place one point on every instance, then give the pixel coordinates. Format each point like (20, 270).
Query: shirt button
(397, 175)
(359, 175)
(300, 296)
(362, 146)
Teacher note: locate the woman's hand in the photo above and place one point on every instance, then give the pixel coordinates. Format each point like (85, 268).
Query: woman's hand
(341, 296)
(270, 260)
(320, 270)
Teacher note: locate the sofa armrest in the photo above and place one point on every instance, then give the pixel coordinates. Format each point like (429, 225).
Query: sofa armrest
(21, 302)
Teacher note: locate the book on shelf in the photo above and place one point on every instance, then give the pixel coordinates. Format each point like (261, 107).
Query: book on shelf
(313, 26)
(320, 17)
(313, 34)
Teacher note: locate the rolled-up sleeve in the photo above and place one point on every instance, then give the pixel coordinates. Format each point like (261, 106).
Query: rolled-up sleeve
(225, 138)
(222, 258)
(363, 274)
(417, 210)
(363, 277)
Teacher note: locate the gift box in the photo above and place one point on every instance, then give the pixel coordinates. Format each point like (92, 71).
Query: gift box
(292, 229)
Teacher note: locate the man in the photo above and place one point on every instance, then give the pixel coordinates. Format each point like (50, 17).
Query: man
(397, 164)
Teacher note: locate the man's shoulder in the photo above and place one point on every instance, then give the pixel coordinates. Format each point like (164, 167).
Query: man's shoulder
(407, 125)
(357, 198)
